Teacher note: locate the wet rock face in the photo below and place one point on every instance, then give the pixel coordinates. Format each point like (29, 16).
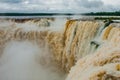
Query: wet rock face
(105, 77)
(108, 77)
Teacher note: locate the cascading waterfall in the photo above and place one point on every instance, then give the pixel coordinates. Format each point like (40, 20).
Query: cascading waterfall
(78, 36)
(104, 64)
(89, 43)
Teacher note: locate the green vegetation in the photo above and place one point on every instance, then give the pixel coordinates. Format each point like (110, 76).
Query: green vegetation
(33, 14)
(117, 13)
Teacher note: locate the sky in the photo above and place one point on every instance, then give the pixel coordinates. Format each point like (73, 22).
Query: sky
(59, 6)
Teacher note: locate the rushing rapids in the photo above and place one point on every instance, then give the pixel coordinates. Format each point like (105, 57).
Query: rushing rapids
(89, 50)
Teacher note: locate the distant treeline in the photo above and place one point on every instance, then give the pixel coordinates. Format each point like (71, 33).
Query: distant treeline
(117, 13)
(33, 14)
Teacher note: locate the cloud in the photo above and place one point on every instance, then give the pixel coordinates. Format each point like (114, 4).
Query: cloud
(73, 6)
(90, 4)
(11, 1)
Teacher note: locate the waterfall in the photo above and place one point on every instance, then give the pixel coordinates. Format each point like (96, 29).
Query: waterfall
(83, 50)
(78, 36)
(25, 53)
(104, 63)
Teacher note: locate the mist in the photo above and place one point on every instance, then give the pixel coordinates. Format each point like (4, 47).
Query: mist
(27, 61)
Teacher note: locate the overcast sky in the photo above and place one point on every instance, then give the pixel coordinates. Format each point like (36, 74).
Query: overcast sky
(70, 6)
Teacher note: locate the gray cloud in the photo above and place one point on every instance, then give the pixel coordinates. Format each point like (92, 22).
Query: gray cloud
(11, 1)
(73, 6)
(90, 4)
